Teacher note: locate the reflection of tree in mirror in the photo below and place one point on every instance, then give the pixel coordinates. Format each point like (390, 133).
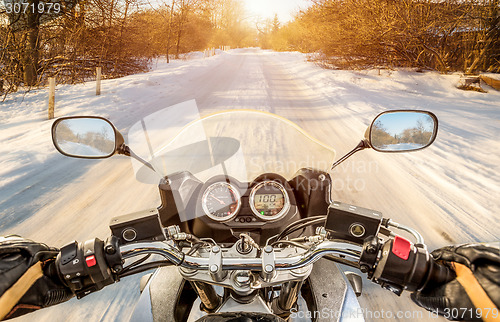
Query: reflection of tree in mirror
(380, 136)
(416, 135)
(65, 133)
(99, 141)
(419, 134)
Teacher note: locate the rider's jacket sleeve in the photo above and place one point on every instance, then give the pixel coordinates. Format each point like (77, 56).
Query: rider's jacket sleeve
(13, 295)
(475, 291)
(28, 277)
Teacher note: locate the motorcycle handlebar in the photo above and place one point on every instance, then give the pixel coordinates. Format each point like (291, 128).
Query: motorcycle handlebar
(415, 270)
(242, 263)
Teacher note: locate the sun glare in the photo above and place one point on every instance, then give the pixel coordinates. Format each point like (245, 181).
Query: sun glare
(269, 8)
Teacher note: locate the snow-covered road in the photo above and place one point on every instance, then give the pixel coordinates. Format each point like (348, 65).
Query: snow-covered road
(449, 192)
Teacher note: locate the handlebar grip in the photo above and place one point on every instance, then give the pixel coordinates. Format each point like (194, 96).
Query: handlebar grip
(405, 266)
(438, 275)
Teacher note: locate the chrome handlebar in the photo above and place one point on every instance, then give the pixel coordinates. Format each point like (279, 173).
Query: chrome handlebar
(178, 258)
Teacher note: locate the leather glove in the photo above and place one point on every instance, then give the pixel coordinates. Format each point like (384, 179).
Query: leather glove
(28, 277)
(474, 295)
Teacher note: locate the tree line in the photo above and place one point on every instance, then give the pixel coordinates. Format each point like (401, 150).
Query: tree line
(125, 36)
(121, 36)
(447, 35)
(419, 135)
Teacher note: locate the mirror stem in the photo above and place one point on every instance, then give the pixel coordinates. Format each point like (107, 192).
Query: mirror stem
(125, 150)
(361, 146)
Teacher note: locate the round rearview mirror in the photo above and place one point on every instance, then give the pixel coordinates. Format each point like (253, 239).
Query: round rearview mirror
(403, 131)
(84, 137)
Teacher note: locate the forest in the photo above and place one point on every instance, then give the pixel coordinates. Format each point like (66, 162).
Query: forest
(120, 36)
(443, 35)
(125, 36)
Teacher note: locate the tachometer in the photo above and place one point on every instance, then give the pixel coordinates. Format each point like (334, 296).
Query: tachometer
(221, 201)
(269, 200)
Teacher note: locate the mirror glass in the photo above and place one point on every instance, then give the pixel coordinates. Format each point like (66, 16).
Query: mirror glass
(85, 137)
(403, 131)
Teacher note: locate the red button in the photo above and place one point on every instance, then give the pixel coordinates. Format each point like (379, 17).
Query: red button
(90, 260)
(401, 247)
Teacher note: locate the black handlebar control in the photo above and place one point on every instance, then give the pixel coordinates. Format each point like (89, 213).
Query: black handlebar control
(88, 267)
(402, 265)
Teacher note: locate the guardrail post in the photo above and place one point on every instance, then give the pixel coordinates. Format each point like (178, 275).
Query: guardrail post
(98, 81)
(52, 96)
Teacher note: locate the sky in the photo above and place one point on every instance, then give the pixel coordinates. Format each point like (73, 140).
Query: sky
(398, 122)
(268, 8)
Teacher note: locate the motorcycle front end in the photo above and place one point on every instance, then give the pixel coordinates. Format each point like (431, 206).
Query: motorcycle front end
(248, 228)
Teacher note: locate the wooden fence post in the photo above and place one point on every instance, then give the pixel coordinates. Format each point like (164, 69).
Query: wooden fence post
(98, 82)
(52, 96)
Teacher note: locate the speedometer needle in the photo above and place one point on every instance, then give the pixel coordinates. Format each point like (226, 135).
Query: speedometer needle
(220, 201)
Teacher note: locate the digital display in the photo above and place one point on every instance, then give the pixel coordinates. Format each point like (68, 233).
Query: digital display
(269, 204)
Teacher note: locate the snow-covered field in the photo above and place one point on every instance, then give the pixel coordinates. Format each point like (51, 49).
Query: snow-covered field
(449, 192)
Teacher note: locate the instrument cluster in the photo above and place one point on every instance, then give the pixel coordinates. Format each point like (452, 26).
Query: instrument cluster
(268, 198)
(221, 201)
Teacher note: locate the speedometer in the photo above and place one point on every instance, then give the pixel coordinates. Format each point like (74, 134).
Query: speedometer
(269, 200)
(221, 201)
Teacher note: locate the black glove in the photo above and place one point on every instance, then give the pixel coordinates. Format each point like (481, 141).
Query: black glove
(28, 277)
(474, 294)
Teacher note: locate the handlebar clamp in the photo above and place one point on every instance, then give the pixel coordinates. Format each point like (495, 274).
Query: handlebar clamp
(369, 255)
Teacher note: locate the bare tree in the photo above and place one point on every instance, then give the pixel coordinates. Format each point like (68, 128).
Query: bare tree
(443, 35)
